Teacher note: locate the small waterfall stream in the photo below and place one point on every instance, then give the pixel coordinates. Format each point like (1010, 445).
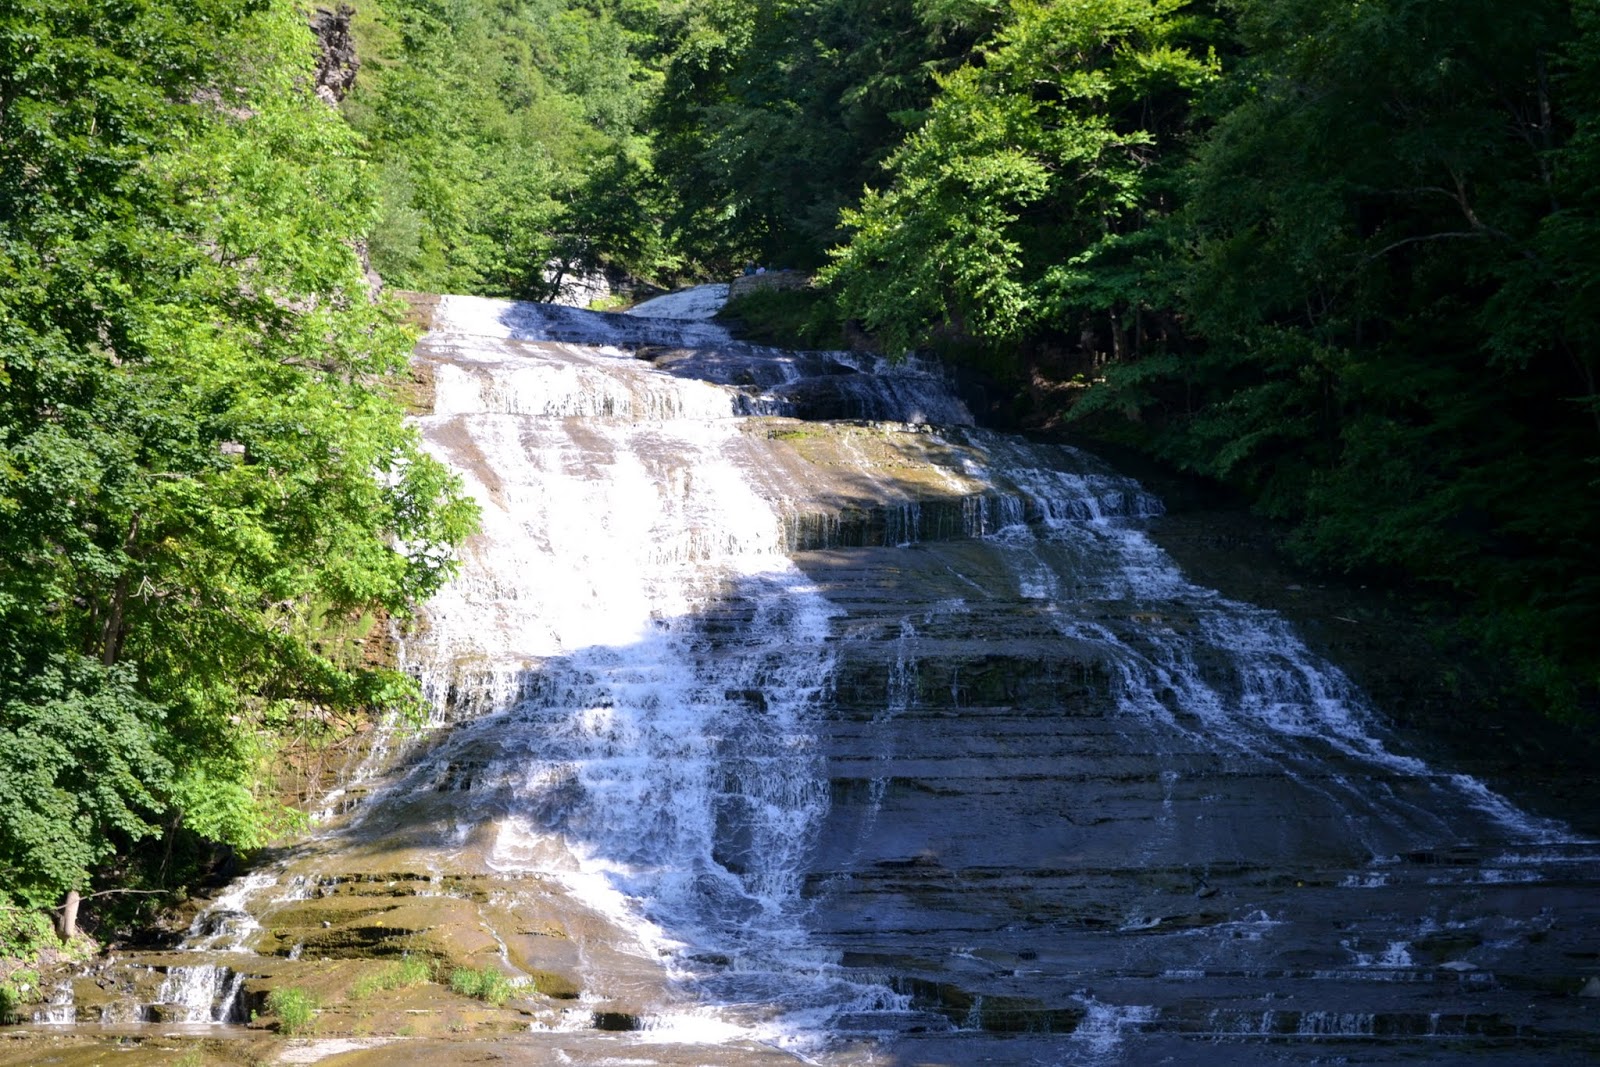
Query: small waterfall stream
(779, 704)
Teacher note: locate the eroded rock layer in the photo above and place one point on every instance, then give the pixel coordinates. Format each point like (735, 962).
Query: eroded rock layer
(779, 708)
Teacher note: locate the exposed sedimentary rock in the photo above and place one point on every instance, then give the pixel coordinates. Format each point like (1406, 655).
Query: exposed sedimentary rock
(337, 63)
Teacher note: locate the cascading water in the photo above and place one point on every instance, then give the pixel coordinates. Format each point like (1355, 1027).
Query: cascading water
(777, 703)
(645, 694)
(59, 1009)
(207, 993)
(209, 989)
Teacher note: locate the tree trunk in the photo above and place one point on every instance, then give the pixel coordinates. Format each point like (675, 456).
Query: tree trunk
(69, 915)
(111, 628)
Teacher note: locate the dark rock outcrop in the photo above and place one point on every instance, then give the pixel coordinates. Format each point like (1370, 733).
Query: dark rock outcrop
(336, 63)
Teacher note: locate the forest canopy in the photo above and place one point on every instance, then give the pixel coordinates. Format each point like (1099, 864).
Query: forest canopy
(507, 140)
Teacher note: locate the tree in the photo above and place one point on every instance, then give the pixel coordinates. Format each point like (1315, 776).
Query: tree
(775, 113)
(1037, 172)
(1380, 257)
(200, 441)
(489, 122)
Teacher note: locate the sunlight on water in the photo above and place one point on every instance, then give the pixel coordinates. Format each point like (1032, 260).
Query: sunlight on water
(659, 660)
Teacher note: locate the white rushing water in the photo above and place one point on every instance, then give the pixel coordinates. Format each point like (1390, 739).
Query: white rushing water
(642, 661)
(1231, 676)
(206, 993)
(697, 302)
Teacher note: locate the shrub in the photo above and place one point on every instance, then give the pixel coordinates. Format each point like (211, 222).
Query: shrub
(793, 318)
(295, 1009)
(413, 970)
(408, 972)
(25, 937)
(485, 983)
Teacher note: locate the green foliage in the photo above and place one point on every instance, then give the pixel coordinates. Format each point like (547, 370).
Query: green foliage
(485, 983)
(505, 137)
(25, 935)
(83, 772)
(402, 974)
(23, 932)
(20, 986)
(791, 318)
(1010, 211)
(1387, 254)
(295, 1009)
(774, 113)
(199, 433)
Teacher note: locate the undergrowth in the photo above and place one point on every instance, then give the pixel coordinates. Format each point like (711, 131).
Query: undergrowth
(408, 972)
(295, 1008)
(485, 983)
(788, 318)
(28, 942)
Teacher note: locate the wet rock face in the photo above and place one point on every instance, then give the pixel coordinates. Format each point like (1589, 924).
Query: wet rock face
(336, 61)
(1015, 854)
(890, 741)
(1070, 801)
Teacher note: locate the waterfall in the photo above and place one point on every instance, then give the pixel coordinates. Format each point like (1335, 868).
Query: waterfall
(207, 993)
(777, 704)
(60, 1009)
(639, 662)
(1233, 676)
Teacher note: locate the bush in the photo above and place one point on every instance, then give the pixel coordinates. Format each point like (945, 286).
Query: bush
(790, 318)
(295, 1009)
(25, 934)
(408, 972)
(485, 983)
(413, 970)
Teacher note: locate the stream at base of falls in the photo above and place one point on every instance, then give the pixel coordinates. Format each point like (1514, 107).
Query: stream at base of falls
(778, 708)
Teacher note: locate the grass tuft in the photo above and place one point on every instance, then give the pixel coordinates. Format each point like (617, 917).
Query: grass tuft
(485, 983)
(407, 972)
(295, 1008)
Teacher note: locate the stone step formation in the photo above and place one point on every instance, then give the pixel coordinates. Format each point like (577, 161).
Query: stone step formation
(779, 712)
